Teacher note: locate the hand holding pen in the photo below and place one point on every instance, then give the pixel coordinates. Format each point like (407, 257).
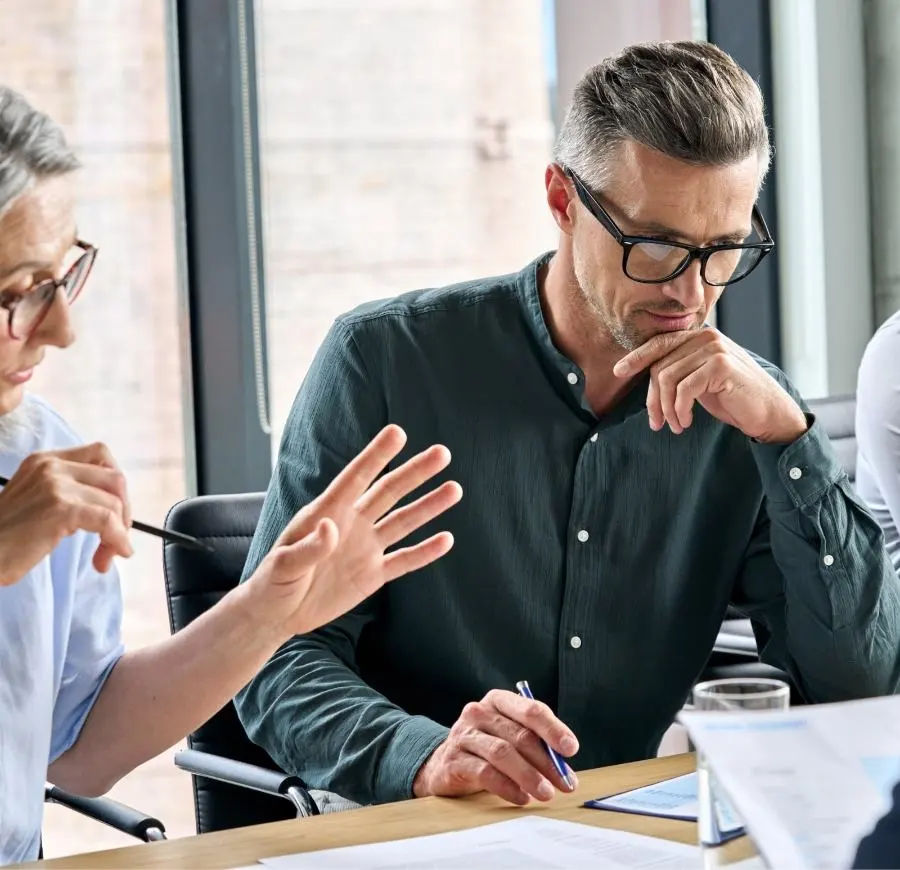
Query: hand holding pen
(500, 745)
(559, 764)
(55, 493)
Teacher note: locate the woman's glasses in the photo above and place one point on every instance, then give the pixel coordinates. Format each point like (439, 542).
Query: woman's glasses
(28, 310)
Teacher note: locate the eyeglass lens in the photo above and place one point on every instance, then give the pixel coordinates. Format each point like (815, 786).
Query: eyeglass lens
(656, 261)
(34, 306)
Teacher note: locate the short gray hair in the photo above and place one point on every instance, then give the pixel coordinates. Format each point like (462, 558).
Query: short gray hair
(689, 100)
(32, 148)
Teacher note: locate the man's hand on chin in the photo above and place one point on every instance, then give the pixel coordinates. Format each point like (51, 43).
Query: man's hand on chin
(707, 367)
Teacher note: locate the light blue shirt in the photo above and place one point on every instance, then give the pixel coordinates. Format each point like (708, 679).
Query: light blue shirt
(878, 432)
(59, 639)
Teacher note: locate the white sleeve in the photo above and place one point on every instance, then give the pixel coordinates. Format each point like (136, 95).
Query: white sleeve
(878, 413)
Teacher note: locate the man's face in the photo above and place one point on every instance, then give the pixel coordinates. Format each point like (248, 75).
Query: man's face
(653, 195)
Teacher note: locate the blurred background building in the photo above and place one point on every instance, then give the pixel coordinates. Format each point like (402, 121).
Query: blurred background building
(244, 190)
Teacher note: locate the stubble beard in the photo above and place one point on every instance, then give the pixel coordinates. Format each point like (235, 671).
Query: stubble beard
(623, 335)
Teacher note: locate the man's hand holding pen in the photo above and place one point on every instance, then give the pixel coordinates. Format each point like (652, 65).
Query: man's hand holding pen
(499, 745)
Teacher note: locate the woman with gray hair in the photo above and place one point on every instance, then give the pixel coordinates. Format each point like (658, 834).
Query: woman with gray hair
(75, 708)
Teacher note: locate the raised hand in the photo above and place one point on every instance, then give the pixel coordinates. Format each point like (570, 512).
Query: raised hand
(332, 554)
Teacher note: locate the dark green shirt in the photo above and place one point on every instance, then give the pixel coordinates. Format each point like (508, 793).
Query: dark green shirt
(593, 557)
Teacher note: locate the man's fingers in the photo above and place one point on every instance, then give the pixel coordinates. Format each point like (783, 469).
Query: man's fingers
(525, 741)
(400, 482)
(654, 408)
(361, 472)
(669, 376)
(506, 759)
(289, 561)
(403, 521)
(493, 781)
(410, 559)
(537, 717)
(650, 352)
(689, 390)
(667, 383)
(483, 776)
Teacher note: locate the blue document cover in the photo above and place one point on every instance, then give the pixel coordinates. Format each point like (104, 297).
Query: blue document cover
(670, 799)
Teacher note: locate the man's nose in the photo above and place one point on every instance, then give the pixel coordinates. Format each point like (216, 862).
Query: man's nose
(688, 288)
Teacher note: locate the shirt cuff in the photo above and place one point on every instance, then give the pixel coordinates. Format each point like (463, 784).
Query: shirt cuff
(797, 475)
(413, 742)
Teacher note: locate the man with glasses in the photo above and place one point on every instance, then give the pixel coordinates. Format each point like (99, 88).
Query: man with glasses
(629, 473)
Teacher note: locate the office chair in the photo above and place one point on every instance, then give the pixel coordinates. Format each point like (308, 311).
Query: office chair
(221, 758)
(735, 653)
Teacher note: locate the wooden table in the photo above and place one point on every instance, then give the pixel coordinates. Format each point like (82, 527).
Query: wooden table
(243, 846)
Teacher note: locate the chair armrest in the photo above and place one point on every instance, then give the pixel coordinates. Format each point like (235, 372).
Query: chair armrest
(736, 638)
(109, 812)
(735, 645)
(239, 773)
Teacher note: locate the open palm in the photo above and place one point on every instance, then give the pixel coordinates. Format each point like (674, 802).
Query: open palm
(332, 554)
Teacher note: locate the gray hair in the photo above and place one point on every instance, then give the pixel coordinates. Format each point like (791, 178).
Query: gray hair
(688, 100)
(32, 148)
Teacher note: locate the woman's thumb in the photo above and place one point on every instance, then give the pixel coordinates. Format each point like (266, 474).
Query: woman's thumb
(311, 549)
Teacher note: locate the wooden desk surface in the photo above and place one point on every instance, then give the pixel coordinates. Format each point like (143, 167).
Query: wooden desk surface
(236, 848)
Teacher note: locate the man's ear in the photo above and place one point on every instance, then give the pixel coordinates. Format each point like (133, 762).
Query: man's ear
(560, 197)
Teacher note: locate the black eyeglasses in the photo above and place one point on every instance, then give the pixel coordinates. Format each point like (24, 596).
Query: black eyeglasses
(28, 310)
(654, 261)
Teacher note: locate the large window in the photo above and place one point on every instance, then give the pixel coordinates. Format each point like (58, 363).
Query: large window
(403, 145)
(99, 69)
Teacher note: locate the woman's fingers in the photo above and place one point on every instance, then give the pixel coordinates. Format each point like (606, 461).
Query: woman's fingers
(411, 559)
(403, 521)
(383, 495)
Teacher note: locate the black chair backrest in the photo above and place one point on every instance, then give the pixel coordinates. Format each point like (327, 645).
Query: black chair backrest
(837, 414)
(195, 581)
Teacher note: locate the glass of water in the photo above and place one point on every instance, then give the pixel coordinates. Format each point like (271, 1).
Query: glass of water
(716, 820)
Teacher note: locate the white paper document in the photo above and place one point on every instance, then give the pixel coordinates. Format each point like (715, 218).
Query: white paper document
(520, 844)
(809, 782)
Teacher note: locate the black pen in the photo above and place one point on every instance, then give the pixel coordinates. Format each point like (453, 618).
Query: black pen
(165, 534)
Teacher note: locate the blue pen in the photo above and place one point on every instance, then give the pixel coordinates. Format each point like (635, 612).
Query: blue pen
(561, 767)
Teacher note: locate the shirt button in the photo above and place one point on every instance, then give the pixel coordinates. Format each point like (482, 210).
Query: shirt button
(583, 536)
(795, 473)
(572, 378)
(594, 437)
(575, 642)
(828, 560)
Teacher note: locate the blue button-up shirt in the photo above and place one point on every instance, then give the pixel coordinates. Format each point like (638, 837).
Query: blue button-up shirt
(59, 639)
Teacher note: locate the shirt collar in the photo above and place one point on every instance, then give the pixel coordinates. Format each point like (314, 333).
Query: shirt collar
(566, 375)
